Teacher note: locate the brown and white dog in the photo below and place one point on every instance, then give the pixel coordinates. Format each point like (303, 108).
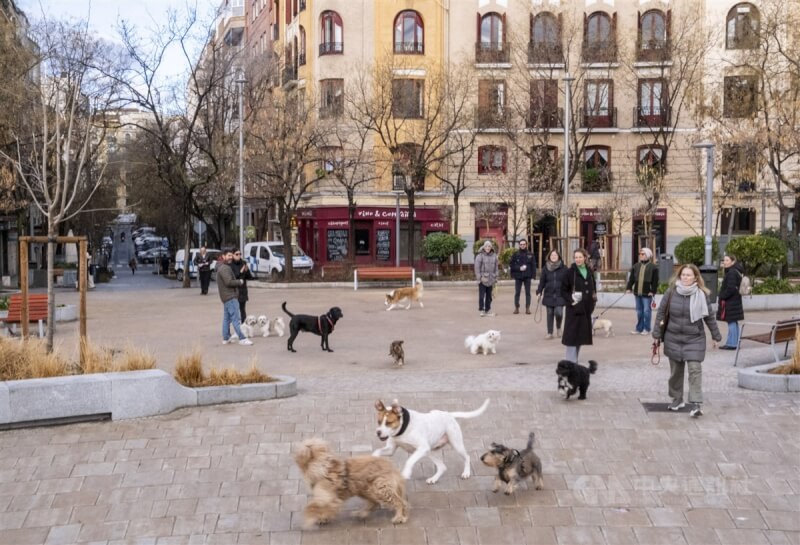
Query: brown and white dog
(333, 480)
(605, 325)
(394, 297)
(397, 352)
(422, 434)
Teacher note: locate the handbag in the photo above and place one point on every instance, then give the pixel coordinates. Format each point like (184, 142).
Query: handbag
(722, 310)
(665, 321)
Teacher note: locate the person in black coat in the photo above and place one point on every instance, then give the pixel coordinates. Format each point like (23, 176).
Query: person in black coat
(523, 270)
(553, 273)
(241, 272)
(579, 291)
(730, 308)
(203, 263)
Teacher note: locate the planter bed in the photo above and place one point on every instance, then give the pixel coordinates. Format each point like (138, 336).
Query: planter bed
(118, 396)
(757, 378)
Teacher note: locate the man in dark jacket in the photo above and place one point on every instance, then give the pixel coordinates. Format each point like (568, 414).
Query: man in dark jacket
(643, 283)
(523, 270)
(203, 262)
(242, 272)
(229, 286)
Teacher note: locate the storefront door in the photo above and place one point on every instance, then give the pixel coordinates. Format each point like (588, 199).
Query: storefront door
(363, 242)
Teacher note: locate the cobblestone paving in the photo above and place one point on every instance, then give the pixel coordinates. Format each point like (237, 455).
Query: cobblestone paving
(613, 473)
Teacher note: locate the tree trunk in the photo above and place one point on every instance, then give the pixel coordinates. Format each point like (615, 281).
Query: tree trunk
(351, 220)
(52, 233)
(456, 257)
(187, 255)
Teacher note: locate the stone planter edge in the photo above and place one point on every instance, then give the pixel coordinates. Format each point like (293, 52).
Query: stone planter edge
(756, 378)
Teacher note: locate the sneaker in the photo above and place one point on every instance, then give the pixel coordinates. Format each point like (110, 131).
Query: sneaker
(549, 336)
(697, 410)
(246, 342)
(483, 314)
(634, 332)
(491, 314)
(225, 341)
(676, 405)
(645, 333)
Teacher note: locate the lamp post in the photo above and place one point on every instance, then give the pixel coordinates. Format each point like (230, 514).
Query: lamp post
(708, 270)
(568, 79)
(241, 81)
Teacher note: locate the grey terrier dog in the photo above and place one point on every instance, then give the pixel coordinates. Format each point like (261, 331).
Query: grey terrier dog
(514, 466)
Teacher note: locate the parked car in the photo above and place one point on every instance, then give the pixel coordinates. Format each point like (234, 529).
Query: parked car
(266, 258)
(143, 230)
(153, 255)
(179, 258)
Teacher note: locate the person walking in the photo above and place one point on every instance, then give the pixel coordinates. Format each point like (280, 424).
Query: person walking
(594, 256)
(486, 270)
(242, 272)
(643, 283)
(579, 291)
(228, 286)
(680, 318)
(203, 263)
(730, 308)
(132, 265)
(553, 274)
(523, 270)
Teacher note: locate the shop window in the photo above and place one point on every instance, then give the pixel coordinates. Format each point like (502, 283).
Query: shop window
(744, 221)
(742, 27)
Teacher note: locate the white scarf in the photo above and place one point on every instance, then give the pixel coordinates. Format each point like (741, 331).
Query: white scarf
(698, 306)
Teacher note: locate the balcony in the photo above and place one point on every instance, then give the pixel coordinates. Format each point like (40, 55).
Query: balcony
(409, 48)
(331, 48)
(491, 52)
(604, 118)
(331, 111)
(651, 117)
(288, 74)
(544, 53)
(652, 50)
(546, 118)
(596, 180)
(599, 52)
(490, 118)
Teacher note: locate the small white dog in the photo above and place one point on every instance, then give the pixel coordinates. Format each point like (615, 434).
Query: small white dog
(249, 326)
(605, 325)
(485, 342)
(271, 326)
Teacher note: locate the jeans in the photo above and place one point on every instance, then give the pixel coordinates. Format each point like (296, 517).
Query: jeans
(572, 353)
(518, 282)
(733, 334)
(484, 297)
(643, 313)
(676, 371)
(230, 316)
(557, 313)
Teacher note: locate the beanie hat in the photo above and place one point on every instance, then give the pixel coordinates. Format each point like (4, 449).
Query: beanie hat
(648, 252)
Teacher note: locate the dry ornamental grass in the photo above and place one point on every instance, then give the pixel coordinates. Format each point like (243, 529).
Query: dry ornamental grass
(793, 367)
(189, 372)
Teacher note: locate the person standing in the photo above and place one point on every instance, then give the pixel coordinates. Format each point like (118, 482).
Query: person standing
(132, 265)
(643, 283)
(731, 309)
(523, 270)
(242, 272)
(594, 255)
(203, 263)
(486, 270)
(579, 291)
(553, 274)
(680, 317)
(228, 286)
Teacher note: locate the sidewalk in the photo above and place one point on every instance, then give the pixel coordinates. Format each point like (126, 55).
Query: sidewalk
(614, 473)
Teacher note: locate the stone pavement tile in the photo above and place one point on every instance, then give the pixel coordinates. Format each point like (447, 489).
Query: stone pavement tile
(439, 536)
(421, 518)
(134, 541)
(551, 516)
(780, 486)
(196, 490)
(261, 504)
(154, 493)
(780, 503)
(83, 470)
(148, 478)
(450, 518)
(514, 516)
(194, 524)
(539, 535)
(47, 517)
(103, 531)
(709, 518)
(746, 501)
(483, 516)
(667, 516)
(701, 536)
(71, 499)
(324, 536)
(89, 514)
(217, 505)
(624, 516)
(741, 537)
(588, 516)
(24, 487)
(24, 536)
(747, 518)
(239, 522)
(577, 535)
(101, 482)
(63, 535)
(184, 507)
(399, 535)
(467, 535)
(776, 537)
(537, 497)
(272, 521)
(429, 499)
(782, 520)
(490, 535)
(37, 501)
(294, 538)
(619, 535)
(293, 502)
(12, 520)
(129, 511)
(247, 488)
(458, 499)
(660, 536)
(572, 498)
(119, 495)
(710, 501)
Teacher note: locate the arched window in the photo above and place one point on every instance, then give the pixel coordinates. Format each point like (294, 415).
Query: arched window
(331, 43)
(599, 42)
(302, 51)
(492, 29)
(409, 33)
(545, 44)
(491, 38)
(653, 30)
(742, 27)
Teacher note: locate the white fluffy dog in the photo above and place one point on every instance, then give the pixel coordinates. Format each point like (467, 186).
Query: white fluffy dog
(485, 342)
(269, 327)
(249, 326)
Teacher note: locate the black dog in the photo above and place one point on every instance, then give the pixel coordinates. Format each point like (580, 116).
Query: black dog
(318, 325)
(573, 377)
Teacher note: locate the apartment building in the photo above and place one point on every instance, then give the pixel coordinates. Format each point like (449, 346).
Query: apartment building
(647, 79)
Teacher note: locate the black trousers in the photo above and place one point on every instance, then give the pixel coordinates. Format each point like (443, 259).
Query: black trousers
(243, 310)
(518, 283)
(205, 280)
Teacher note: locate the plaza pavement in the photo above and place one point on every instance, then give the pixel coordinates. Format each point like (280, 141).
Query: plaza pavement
(614, 473)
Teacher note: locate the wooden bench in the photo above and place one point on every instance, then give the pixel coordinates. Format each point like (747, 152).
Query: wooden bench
(37, 311)
(780, 331)
(383, 273)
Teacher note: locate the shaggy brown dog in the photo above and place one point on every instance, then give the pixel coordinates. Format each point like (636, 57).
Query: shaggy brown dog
(333, 480)
(397, 352)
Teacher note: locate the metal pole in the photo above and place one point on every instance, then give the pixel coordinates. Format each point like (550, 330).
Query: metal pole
(241, 83)
(565, 203)
(709, 199)
(397, 231)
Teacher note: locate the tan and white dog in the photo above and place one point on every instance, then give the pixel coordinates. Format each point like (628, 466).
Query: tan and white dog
(422, 434)
(394, 297)
(605, 325)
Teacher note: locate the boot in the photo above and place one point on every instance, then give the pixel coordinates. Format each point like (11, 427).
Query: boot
(516, 310)
(528, 309)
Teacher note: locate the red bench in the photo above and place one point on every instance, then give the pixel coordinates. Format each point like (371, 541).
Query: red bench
(383, 273)
(37, 311)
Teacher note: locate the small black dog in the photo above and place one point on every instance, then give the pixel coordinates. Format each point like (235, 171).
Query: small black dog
(397, 352)
(318, 325)
(573, 377)
(514, 466)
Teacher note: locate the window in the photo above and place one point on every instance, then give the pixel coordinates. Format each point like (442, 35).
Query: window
(545, 171)
(652, 109)
(742, 27)
(491, 159)
(740, 96)
(596, 175)
(331, 158)
(408, 33)
(491, 39)
(407, 98)
(599, 41)
(653, 27)
(744, 221)
(491, 103)
(332, 91)
(274, 24)
(406, 170)
(301, 58)
(651, 157)
(599, 110)
(544, 104)
(545, 44)
(332, 43)
(739, 167)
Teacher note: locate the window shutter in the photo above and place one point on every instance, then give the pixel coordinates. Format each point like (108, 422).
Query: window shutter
(614, 29)
(560, 36)
(530, 19)
(478, 29)
(585, 29)
(503, 152)
(505, 31)
(639, 27)
(668, 30)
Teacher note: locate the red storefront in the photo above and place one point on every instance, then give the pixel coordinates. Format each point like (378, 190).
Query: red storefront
(324, 233)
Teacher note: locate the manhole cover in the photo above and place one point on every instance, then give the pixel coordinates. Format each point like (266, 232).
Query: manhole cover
(662, 408)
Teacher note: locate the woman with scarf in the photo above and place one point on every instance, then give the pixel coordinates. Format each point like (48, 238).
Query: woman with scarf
(679, 320)
(553, 273)
(579, 291)
(731, 309)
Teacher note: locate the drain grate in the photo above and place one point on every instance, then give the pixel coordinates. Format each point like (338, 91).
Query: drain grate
(662, 408)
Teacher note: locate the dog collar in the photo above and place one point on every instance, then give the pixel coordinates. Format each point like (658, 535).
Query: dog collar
(406, 420)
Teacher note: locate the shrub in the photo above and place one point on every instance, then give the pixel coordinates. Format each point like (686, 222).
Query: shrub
(440, 247)
(759, 254)
(4, 303)
(505, 256)
(662, 288)
(693, 249)
(773, 285)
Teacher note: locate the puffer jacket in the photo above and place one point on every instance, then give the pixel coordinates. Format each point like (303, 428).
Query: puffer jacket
(486, 264)
(578, 318)
(683, 340)
(729, 298)
(550, 286)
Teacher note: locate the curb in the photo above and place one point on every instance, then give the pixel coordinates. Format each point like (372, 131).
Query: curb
(757, 378)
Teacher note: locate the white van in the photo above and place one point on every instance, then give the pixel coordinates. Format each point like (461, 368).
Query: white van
(179, 258)
(266, 259)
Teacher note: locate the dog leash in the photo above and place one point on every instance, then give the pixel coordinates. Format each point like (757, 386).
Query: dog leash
(655, 359)
(612, 304)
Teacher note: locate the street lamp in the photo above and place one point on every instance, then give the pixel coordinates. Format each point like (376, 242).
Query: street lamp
(568, 79)
(241, 81)
(708, 270)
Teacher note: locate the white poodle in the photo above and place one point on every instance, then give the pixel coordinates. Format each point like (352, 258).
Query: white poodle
(249, 326)
(485, 342)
